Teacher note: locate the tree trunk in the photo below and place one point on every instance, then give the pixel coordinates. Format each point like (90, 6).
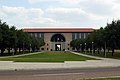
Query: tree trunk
(104, 51)
(98, 51)
(94, 50)
(108, 50)
(23, 50)
(112, 51)
(9, 51)
(15, 50)
(2, 51)
(29, 50)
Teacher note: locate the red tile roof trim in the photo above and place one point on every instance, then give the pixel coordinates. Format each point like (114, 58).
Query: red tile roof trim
(58, 30)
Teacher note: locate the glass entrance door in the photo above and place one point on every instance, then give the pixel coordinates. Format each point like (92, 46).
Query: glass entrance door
(57, 47)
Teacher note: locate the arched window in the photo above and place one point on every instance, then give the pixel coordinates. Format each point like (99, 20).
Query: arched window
(58, 38)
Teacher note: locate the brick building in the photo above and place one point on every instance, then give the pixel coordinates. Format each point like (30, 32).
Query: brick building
(58, 39)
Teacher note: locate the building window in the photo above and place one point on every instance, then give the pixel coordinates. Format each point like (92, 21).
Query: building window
(38, 35)
(42, 35)
(47, 44)
(33, 34)
(73, 36)
(47, 48)
(68, 49)
(78, 36)
(86, 35)
(82, 35)
(68, 44)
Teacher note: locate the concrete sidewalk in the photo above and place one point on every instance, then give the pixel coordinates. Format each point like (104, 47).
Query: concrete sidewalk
(103, 62)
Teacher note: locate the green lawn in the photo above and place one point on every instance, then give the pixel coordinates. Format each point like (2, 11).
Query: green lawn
(48, 57)
(103, 79)
(108, 54)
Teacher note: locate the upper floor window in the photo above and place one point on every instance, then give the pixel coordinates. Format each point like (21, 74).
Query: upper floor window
(73, 36)
(82, 35)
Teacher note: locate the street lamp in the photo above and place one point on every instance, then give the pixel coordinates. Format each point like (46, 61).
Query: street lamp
(23, 47)
(30, 48)
(85, 48)
(105, 48)
(81, 47)
(92, 47)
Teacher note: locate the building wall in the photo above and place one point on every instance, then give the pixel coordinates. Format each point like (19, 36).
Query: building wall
(50, 45)
(65, 45)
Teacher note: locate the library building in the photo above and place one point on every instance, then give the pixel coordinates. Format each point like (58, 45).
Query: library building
(58, 39)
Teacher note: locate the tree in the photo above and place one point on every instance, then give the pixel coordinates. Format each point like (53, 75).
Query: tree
(13, 39)
(5, 36)
(36, 43)
(112, 36)
(77, 44)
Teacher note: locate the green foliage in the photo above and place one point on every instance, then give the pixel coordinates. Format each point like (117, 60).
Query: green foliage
(108, 37)
(11, 38)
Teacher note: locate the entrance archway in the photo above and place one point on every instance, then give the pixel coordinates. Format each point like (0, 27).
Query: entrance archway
(58, 38)
(58, 42)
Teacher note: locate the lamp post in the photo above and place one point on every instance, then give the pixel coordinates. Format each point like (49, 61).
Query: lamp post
(85, 47)
(105, 48)
(81, 47)
(23, 47)
(30, 48)
(92, 47)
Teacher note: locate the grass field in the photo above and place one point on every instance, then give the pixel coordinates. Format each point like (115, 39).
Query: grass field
(103, 79)
(108, 54)
(48, 57)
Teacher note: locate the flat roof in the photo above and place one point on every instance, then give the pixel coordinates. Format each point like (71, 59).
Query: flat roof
(58, 30)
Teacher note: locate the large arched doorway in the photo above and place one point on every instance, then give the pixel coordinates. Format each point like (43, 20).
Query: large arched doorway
(58, 42)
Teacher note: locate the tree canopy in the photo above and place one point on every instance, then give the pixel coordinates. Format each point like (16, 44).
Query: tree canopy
(103, 38)
(11, 38)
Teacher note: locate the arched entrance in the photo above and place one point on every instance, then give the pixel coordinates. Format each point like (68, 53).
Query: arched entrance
(58, 42)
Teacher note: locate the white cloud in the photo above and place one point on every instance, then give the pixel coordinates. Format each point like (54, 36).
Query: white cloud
(61, 1)
(35, 17)
(55, 13)
(33, 1)
(70, 1)
(65, 10)
(22, 17)
(75, 12)
(38, 1)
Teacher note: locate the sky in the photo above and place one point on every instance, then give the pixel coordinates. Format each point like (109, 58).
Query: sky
(59, 13)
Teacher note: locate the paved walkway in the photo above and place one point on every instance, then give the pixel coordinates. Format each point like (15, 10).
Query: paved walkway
(103, 62)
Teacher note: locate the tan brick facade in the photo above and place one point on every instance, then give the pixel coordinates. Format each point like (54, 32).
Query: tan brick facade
(64, 36)
(50, 45)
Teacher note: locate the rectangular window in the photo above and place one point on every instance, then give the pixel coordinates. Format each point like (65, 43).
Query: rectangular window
(73, 36)
(33, 34)
(42, 35)
(78, 36)
(82, 35)
(30, 34)
(38, 35)
(86, 35)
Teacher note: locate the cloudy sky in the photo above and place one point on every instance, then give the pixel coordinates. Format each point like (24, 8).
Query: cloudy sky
(59, 13)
